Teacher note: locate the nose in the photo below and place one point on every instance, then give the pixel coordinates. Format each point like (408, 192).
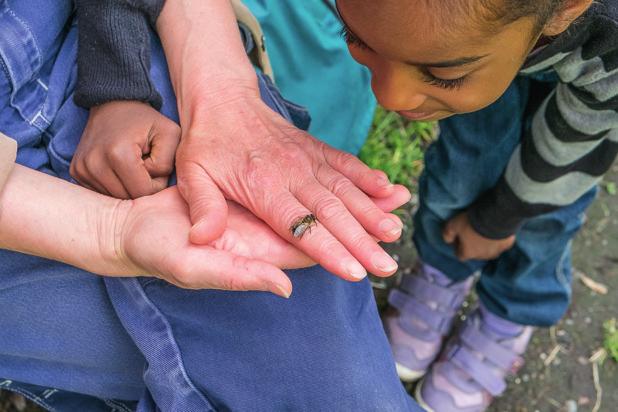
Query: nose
(396, 89)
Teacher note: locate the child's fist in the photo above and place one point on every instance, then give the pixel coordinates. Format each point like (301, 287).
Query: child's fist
(127, 150)
(469, 244)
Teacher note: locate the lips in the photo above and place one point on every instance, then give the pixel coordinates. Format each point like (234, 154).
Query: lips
(416, 115)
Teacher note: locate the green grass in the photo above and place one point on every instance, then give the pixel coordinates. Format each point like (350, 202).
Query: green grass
(611, 338)
(396, 145)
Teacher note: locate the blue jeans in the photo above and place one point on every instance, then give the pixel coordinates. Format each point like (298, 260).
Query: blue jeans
(146, 340)
(530, 283)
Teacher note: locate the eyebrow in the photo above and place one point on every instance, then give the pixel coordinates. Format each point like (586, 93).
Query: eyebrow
(460, 61)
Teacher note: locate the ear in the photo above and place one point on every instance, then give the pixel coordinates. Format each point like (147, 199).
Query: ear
(565, 15)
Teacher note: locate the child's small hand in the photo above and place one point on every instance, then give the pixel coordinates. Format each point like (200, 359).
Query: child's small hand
(469, 244)
(127, 150)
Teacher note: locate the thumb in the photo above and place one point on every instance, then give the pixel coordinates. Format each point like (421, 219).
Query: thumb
(163, 141)
(448, 232)
(207, 206)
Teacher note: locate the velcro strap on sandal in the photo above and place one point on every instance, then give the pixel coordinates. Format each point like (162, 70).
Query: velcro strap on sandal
(491, 350)
(436, 319)
(428, 291)
(477, 370)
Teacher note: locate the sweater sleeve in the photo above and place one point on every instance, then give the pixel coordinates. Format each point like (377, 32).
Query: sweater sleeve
(113, 60)
(8, 150)
(573, 141)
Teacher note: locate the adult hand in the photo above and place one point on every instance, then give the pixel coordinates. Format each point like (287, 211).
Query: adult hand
(242, 150)
(232, 142)
(127, 150)
(152, 239)
(469, 244)
(49, 217)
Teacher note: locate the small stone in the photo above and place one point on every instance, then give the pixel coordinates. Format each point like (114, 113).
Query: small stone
(587, 319)
(557, 362)
(19, 402)
(543, 356)
(583, 401)
(571, 406)
(569, 322)
(517, 381)
(562, 332)
(604, 242)
(582, 361)
(525, 378)
(541, 376)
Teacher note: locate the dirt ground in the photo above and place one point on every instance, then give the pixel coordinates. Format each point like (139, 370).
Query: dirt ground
(558, 375)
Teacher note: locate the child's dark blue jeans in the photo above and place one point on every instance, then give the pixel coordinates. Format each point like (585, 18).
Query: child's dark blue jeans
(172, 349)
(531, 283)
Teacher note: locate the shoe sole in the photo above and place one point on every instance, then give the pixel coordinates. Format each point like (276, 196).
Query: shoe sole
(408, 375)
(419, 398)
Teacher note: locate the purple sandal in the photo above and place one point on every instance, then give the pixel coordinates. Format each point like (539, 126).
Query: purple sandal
(474, 364)
(421, 315)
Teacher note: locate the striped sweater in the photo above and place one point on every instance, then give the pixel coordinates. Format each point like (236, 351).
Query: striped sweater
(573, 140)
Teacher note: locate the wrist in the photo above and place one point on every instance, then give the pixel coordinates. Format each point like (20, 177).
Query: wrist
(110, 222)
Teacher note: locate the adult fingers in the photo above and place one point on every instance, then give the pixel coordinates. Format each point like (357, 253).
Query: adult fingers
(368, 180)
(336, 218)
(400, 196)
(207, 206)
(163, 145)
(285, 217)
(371, 217)
(206, 268)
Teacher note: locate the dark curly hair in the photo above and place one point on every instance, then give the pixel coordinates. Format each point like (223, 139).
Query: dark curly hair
(507, 11)
(492, 15)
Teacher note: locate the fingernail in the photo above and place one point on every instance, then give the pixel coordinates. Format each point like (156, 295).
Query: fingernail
(390, 227)
(281, 291)
(384, 262)
(355, 270)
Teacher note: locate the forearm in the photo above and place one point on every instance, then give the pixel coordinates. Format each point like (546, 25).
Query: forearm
(48, 217)
(205, 54)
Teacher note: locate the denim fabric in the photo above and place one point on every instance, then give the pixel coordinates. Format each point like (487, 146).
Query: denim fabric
(529, 284)
(322, 349)
(58, 328)
(52, 399)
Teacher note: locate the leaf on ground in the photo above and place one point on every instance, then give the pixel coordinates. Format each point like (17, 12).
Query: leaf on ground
(611, 188)
(611, 338)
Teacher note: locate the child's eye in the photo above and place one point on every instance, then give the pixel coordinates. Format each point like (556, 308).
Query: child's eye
(449, 84)
(351, 39)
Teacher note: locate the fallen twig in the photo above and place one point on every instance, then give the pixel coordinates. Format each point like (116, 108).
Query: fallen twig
(552, 355)
(591, 284)
(597, 386)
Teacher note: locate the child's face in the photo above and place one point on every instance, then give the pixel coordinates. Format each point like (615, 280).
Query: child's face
(426, 71)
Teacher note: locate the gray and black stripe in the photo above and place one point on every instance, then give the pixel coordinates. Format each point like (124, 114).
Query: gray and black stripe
(574, 136)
